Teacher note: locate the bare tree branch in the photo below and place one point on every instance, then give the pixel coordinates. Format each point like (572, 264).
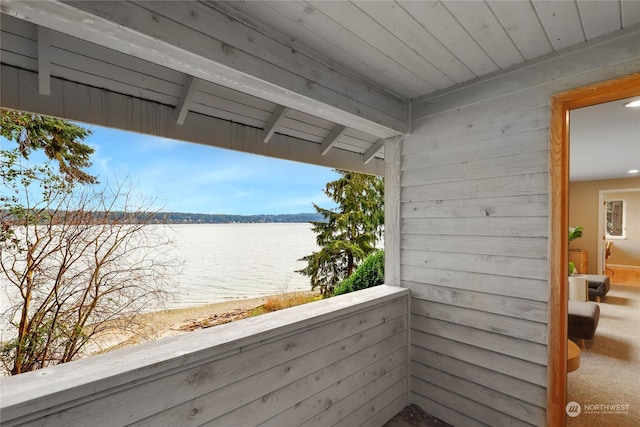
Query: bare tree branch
(82, 260)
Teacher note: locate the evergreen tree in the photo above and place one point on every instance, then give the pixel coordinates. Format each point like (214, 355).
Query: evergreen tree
(368, 274)
(348, 234)
(60, 140)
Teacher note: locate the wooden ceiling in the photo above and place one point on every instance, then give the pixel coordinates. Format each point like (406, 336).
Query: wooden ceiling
(414, 48)
(340, 75)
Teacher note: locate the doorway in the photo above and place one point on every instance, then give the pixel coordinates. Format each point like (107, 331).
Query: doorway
(561, 105)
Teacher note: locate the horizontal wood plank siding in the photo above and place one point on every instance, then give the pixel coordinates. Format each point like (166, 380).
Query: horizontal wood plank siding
(503, 402)
(475, 236)
(342, 361)
(474, 254)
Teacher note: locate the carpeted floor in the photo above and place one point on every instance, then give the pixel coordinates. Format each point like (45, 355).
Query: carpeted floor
(607, 384)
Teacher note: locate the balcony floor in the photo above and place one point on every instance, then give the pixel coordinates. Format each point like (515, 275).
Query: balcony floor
(413, 416)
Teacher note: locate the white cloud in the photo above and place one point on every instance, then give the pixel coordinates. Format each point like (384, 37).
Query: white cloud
(103, 163)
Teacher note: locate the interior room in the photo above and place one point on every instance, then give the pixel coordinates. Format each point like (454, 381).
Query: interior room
(604, 200)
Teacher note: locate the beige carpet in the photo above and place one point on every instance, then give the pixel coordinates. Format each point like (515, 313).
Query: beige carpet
(607, 384)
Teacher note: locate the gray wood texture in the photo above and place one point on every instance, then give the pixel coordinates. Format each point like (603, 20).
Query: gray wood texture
(44, 61)
(414, 48)
(276, 118)
(197, 39)
(351, 63)
(475, 228)
(468, 224)
(93, 105)
(186, 97)
(72, 59)
(392, 160)
(324, 363)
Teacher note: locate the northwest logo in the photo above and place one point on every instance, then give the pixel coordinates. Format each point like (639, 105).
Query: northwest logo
(573, 409)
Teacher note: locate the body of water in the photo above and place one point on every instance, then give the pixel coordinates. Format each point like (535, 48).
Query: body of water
(233, 261)
(222, 262)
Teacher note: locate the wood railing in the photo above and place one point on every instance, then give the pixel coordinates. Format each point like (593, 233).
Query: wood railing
(339, 361)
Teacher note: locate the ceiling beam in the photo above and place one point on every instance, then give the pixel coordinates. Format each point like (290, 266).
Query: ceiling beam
(371, 152)
(44, 61)
(186, 97)
(331, 139)
(199, 40)
(93, 105)
(276, 117)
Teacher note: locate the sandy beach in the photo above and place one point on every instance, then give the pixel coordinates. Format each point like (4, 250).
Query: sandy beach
(161, 324)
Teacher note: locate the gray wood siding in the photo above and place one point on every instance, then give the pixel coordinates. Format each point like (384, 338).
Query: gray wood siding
(474, 236)
(19, 90)
(197, 39)
(419, 47)
(342, 361)
(77, 60)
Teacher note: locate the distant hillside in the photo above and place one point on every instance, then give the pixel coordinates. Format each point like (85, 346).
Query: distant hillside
(179, 217)
(197, 218)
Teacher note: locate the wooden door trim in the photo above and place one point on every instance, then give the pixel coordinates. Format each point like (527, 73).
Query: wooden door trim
(561, 104)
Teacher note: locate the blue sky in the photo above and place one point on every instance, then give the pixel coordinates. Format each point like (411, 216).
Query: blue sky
(186, 177)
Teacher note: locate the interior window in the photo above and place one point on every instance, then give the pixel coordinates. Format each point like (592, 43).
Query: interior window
(616, 218)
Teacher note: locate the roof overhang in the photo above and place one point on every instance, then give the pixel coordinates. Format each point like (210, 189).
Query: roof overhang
(202, 42)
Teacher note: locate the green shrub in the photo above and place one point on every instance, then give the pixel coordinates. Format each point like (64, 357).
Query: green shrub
(370, 273)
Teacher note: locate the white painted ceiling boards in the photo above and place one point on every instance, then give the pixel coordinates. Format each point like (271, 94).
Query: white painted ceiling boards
(335, 77)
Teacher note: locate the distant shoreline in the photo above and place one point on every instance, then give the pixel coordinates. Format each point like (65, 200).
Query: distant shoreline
(197, 218)
(173, 218)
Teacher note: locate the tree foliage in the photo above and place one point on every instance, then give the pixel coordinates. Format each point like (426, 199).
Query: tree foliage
(349, 233)
(60, 140)
(73, 271)
(77, 261)
(368, 274)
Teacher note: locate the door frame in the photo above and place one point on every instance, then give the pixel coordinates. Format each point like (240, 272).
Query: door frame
(561, 104)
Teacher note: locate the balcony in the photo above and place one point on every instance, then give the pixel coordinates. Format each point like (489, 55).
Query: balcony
(340, 361)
